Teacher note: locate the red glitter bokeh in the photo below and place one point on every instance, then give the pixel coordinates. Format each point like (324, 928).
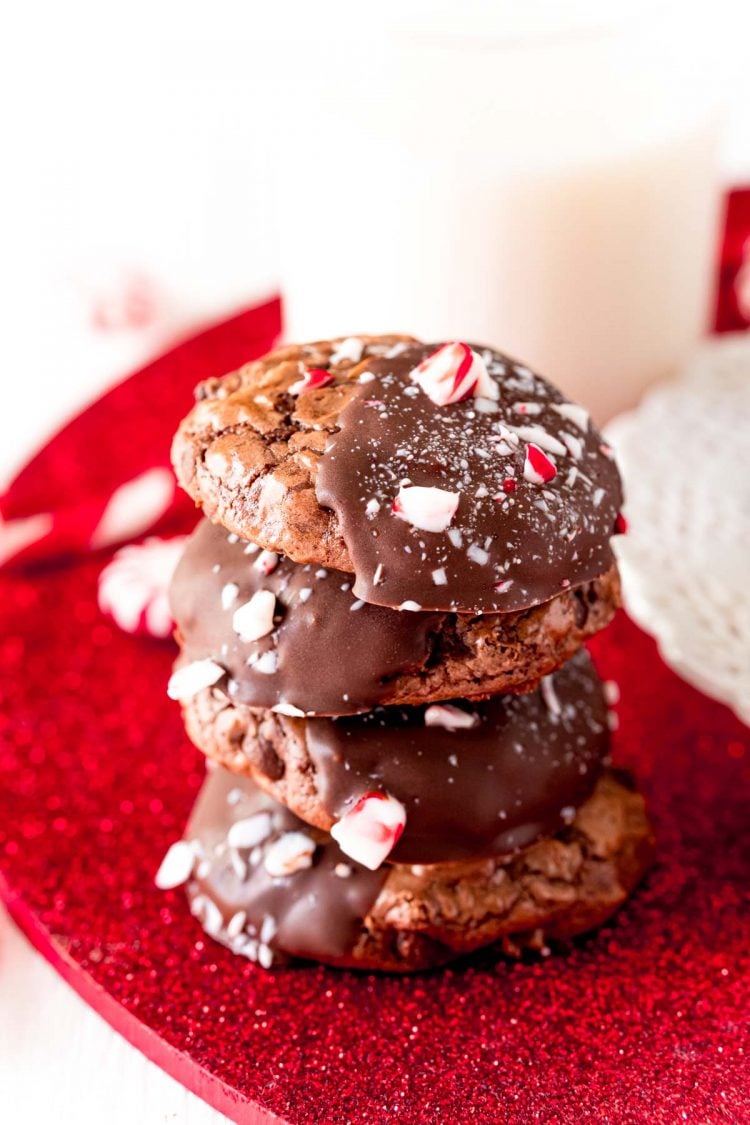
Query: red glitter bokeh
(645, 1021)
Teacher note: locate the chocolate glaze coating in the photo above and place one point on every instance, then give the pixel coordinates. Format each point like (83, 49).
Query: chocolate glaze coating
(538, 539)
(329, 654)
(490, 790)
(519, 774)
(315, 912)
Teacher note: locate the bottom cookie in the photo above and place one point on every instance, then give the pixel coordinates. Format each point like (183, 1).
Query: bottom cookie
(272, 889)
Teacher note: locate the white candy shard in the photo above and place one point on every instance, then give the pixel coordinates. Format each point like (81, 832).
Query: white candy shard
(351, 348)
(611, 691)
(429, 509)
(249, 831)
(176, 867)
(371, 829)
(133, 587)
(448, 717)
(454, 372)
(288, 709)
(267, 663)
(266, 562)
(192, 678)
(540, 437)
(549, 695)
(291, 852)
(236, 924)
(229, 595)
(254, 619)
(578, 415)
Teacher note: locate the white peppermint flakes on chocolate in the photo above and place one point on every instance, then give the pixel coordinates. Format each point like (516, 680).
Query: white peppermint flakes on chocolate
(289, 853)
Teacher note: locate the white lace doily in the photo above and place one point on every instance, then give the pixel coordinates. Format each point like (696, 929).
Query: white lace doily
(685, 457)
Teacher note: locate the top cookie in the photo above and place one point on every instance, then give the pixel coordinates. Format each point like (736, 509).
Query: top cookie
(444, 477)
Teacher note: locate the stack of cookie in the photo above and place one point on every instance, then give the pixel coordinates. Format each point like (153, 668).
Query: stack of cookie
(381, 635)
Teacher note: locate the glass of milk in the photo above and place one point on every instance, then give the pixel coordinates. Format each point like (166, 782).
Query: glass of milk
(542, 182)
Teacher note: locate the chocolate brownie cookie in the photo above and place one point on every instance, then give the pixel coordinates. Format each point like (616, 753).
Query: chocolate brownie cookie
(473, 779)
(271, 888)
(324, 651)
(444, 477)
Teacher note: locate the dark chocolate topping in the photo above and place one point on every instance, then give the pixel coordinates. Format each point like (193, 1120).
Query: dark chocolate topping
(328, 652)
(520, 773)
(313, 912)
(509, 546)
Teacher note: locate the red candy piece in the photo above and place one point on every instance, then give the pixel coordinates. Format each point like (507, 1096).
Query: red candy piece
(453, 373)
(312, 378)
(621, 524)
(369, 832)
(538, 467)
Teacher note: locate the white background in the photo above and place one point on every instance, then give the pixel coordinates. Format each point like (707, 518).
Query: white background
(138, 135)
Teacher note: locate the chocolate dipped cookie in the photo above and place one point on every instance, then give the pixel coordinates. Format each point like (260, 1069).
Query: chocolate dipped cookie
(452, 782)
(272, 889)
(442, 476)
(320, 650)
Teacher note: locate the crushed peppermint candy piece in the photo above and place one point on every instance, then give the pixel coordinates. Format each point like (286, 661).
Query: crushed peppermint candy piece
(611, 690)
(250, 831)
(266, 562)
(291, 852)
(351, 349)
(254, 619)
(574, 413)
(176, 867)
(527, 408)
(549, 695)
(343, 870)
(236, 924)
(372, 507)
(477, 554)
(429, 509)
(133, 587)
(621, 524)
(192, 678)
(453, 373)
(267, 663)
(537, 466)
(410, 606)
(312, 379)
(539, 436)
(288, 709)
(371, 829)
(229, 594)
(439, 577)
(573, 445)
(449, 717)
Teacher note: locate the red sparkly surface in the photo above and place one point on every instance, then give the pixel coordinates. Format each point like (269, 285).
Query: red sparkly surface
(645, 1021)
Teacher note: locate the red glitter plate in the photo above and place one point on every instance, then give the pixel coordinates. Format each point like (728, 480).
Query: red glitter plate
(645, 1021)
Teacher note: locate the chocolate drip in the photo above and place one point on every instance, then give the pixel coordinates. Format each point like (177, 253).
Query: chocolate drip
(328, 653)
(509, 546)
(520, 773)
(312, 913)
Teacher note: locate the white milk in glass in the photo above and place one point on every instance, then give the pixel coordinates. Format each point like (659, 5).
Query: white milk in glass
(550, 191)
